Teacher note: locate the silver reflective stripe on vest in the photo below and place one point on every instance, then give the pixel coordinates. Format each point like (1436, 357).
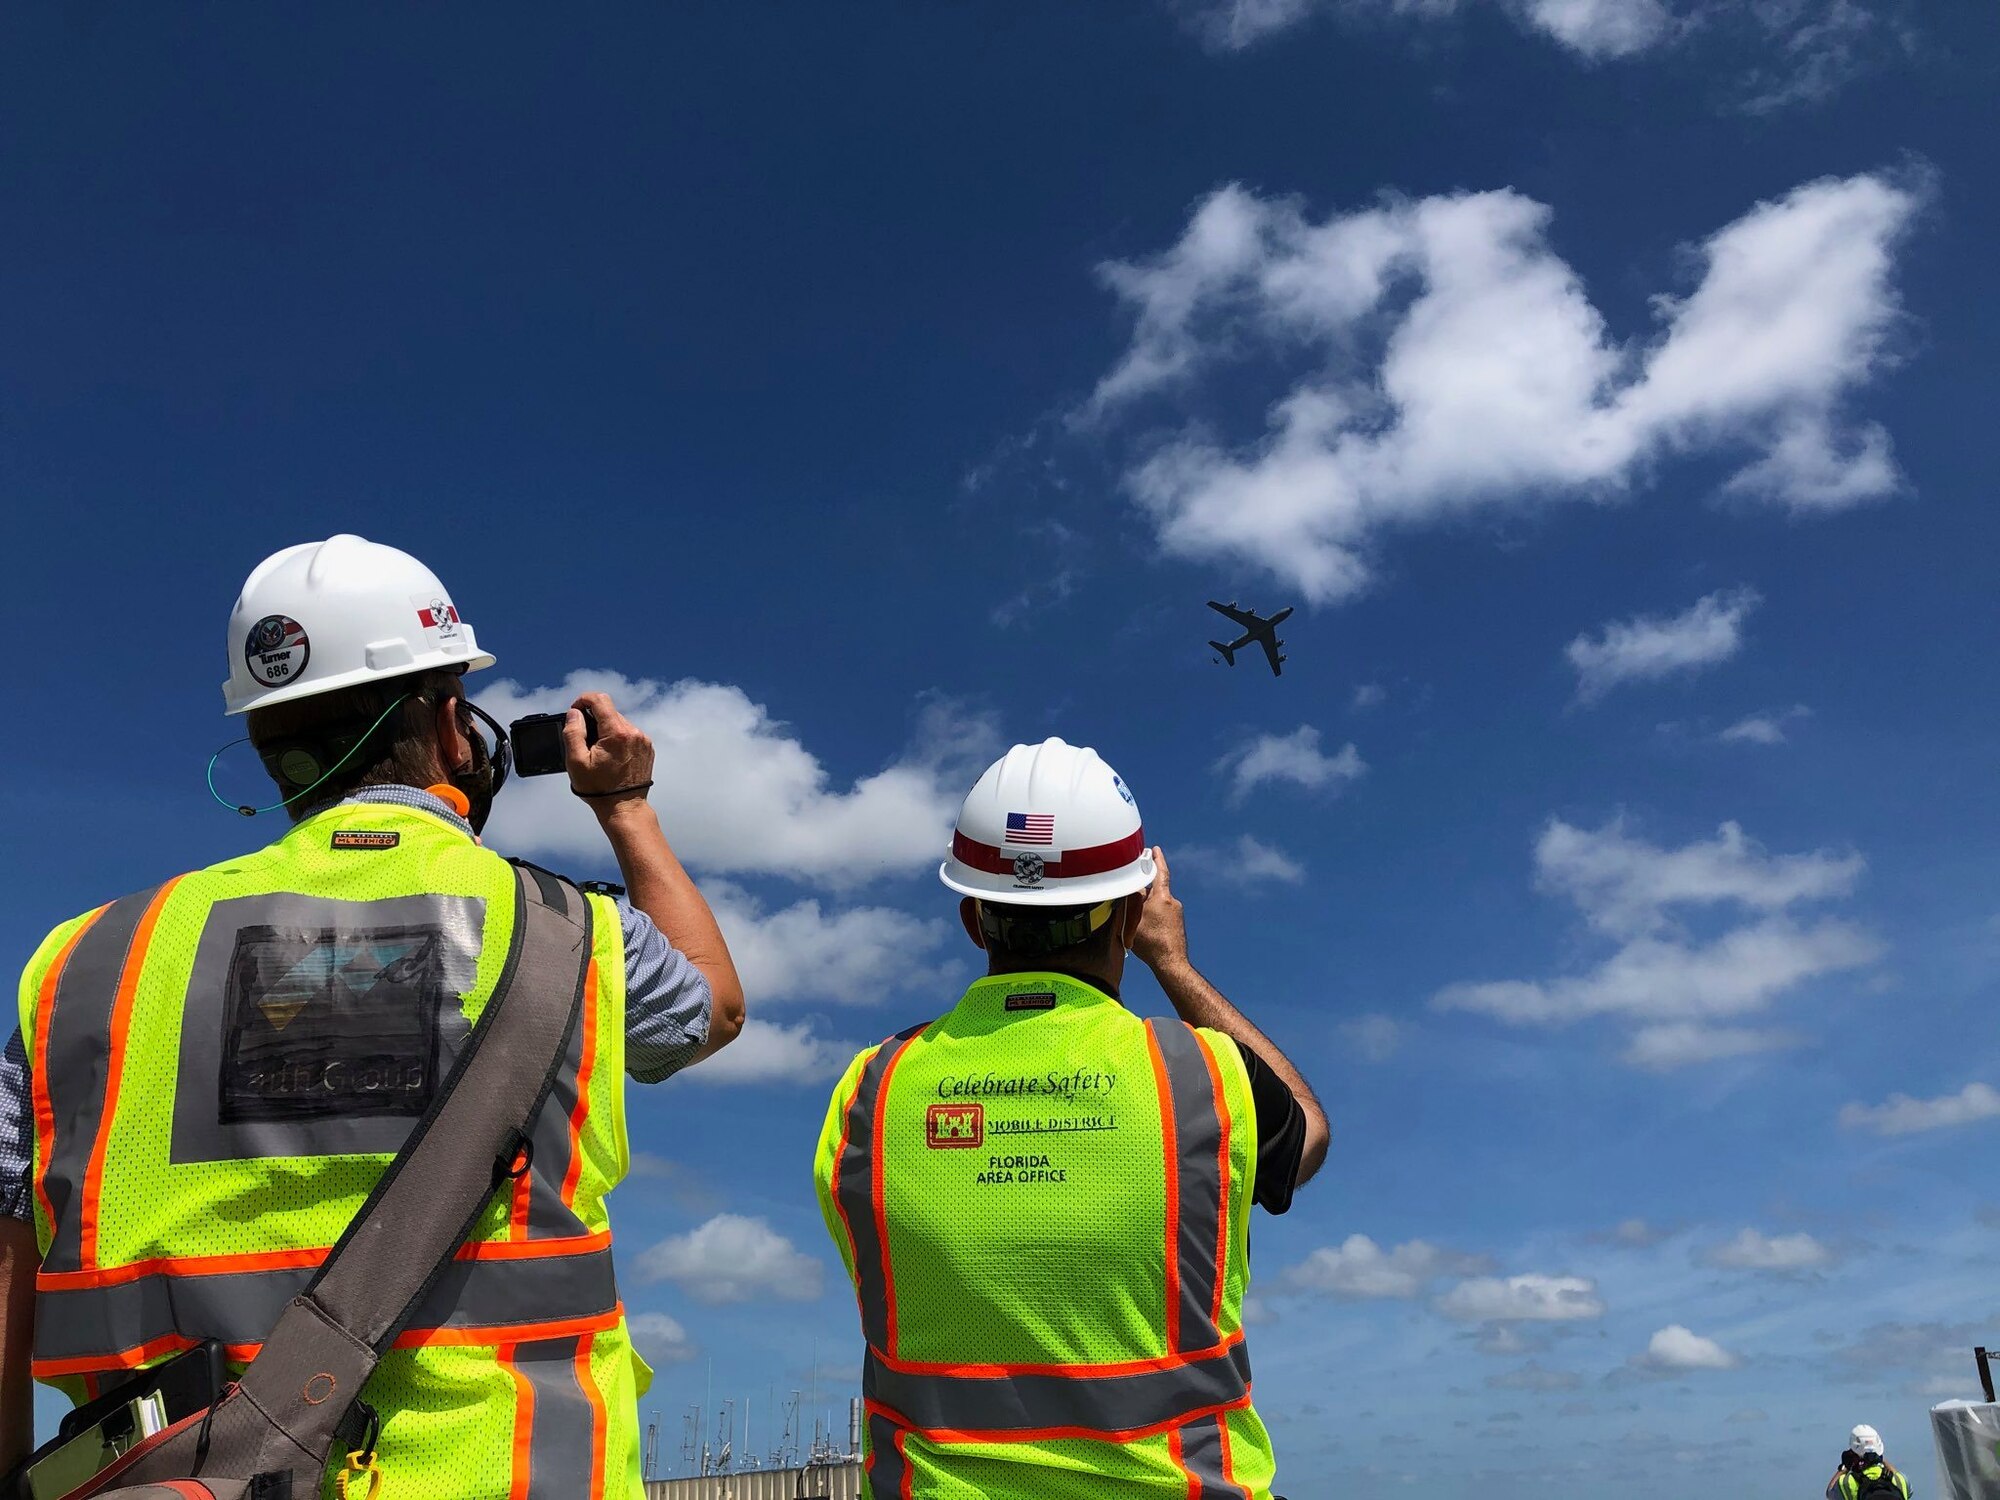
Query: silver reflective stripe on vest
(562, 1424)
(854, 1183)
(888, 1469)
(1202, 1456)
(553, 1146)
(242, 1307)
(1107, 1404)
(78, 1049)
(1198, 1133)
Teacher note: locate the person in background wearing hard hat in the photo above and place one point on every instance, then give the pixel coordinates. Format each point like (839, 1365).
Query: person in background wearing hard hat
(1864, 1474)
(196, 1104)
(1042, 1199)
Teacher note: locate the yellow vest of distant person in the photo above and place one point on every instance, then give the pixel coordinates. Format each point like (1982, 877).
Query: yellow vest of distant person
(224, 1067)
(1043, 1201)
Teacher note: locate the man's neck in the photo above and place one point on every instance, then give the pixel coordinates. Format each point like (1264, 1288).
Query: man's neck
(1096, 978)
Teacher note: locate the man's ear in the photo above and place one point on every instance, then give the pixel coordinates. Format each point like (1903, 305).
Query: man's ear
(454, 749)
(968, 913)
(1128, 918)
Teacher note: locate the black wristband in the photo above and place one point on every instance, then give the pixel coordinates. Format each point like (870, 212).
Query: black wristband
(617, 791)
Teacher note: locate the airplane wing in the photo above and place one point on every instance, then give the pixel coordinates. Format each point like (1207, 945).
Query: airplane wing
(1271, 643)
(1247, 618)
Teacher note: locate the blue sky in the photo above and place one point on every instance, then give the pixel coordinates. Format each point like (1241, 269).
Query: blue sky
(1608, 381)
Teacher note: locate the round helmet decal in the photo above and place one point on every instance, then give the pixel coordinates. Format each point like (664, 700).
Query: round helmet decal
(277, 650)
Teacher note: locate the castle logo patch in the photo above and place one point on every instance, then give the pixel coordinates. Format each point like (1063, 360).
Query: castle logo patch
(365, 838)
(955, 1127)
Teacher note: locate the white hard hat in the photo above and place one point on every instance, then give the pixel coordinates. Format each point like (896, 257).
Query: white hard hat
(1865, 1439)
(1048, 825)
(328, 615)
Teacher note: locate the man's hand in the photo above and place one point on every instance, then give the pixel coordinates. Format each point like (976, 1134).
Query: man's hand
(1161, 938)
(622, 756)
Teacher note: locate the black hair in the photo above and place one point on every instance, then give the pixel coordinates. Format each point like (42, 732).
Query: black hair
(1037, 937)
(401, 752)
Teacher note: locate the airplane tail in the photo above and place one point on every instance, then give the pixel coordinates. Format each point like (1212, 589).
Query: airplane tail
(1228, 652)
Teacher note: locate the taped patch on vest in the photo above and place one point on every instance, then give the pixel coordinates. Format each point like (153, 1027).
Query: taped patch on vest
(365, 838)
(1040, 1000)
(322, 1023)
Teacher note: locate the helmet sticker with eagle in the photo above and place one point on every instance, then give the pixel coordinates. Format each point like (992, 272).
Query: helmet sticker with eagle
(438, 616)
(277, 650)
(1028, 869)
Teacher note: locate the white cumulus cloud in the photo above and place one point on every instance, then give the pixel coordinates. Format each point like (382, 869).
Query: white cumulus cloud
(732, 1258)
(1295, 758)
(1649, 647)
(1457, 364)
(1678, 1350)
(1750, 1250)
(1359, 1269)
(660, 1339)
(776, 1052)
(738, 792)
(1530, 1298)
(858, 956)
(1902, 1115)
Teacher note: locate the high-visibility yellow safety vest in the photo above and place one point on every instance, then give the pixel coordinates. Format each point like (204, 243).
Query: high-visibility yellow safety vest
(1043, 1202)
(223, 1069)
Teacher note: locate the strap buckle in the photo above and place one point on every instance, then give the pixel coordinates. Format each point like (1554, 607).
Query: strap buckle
(360, 1465)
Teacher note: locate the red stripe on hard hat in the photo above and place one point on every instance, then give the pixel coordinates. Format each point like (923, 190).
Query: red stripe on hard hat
(988, 859)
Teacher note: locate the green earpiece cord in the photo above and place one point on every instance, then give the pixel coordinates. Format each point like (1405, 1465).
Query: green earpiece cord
(251, 812)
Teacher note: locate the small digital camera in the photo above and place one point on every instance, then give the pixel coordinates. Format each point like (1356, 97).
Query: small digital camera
(538, 741)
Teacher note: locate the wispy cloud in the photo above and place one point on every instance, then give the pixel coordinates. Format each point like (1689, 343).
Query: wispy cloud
(1648, 647)
(1360, 1270)
(1372, 1038)
(1765, 728)
(1798, 51)
(1458, 365)
(1784, 1254)
(1530, 1298)
(1248, 861)
(1673, 987)
(1902, 1115)
(1295, 758)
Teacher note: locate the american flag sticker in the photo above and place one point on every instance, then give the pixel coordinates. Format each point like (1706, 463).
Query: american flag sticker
(1031, 828)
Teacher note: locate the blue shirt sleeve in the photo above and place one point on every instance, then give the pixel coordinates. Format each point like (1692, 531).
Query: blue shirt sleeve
(17, 1132)
(667, 1001)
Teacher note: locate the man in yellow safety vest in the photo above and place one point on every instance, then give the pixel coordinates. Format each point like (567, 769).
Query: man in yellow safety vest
(1042, 1199)
(210, 1077)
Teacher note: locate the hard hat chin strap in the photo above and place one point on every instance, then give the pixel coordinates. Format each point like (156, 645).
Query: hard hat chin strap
(1025, 930)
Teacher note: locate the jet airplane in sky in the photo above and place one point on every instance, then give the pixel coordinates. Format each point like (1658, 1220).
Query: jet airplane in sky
(1255, 628)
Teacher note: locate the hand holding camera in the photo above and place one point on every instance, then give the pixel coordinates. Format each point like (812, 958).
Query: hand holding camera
(607, 756)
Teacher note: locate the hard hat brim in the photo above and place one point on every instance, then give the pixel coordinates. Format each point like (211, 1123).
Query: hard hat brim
(1084, 891)
(475, 661)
